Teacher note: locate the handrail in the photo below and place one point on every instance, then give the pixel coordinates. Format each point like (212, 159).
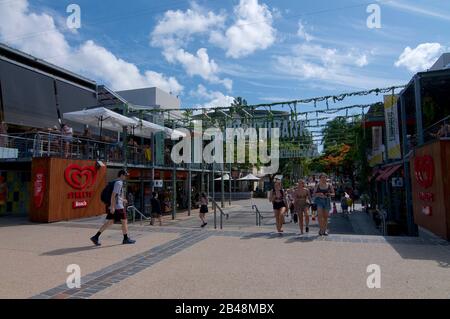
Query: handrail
(215, 206)
(259, 216)
(135, 210)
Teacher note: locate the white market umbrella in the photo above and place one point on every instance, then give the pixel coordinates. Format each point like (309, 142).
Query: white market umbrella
(101, 117)
(146, 128)
(226, 177)
(173, 133)
(250, 178)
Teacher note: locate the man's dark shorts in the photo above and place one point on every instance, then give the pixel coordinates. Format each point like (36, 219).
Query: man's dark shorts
(118, 215)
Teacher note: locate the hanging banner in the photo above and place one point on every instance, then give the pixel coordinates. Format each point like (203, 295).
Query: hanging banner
(159, 142)
(377, 146)
(392, 127)
(377, 138)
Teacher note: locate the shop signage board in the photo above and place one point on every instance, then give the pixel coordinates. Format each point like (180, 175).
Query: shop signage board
(377, 146)
(397, 182)
(158, 183)
(392, 127)
(430, 177)
(289, 129)
(66, 189)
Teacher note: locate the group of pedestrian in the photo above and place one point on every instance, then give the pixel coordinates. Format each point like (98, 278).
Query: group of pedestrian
(301, 200)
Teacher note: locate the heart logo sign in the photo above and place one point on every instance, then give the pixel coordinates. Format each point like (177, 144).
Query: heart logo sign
(80, 178)
(424, 170)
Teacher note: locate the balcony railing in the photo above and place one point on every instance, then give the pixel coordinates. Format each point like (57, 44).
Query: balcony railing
(42, 144)
(439, 130)
(14, 147)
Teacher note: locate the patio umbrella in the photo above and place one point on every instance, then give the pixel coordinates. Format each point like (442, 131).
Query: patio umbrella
(175, 133)
(146, 128)
(250, 178)
(226, 177)
(101, 117)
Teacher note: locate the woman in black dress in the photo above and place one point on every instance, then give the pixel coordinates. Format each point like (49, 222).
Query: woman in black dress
(277, 197)
(156, 208)
(203, 209)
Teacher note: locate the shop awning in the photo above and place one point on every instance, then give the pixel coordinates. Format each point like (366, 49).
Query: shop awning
(388, 172)
(381, 174)
(392, 171)
(375, 172)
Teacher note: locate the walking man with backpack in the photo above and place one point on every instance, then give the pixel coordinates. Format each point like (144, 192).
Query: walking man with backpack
(114, 199)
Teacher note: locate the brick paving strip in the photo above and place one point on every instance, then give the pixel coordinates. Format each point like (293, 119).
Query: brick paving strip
(104, 278)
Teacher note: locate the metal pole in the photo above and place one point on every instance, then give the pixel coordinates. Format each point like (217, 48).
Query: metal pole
(412, 228)
(153, 163)
(174, 183)
(207, 184)
(174, 190)
(202, 180)
(125, 146)
(229, 185)
(221, 220)
(222, 189)
(215, 214)
(213, 182)
(190, 189)
(418, 100)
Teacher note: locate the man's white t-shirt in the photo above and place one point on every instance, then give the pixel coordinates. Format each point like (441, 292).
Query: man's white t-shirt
(118, 189)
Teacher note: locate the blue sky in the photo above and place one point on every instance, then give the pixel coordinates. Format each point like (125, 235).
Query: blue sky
(207, 52)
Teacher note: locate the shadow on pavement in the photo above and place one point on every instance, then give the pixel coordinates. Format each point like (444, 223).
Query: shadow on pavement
(268, 235)
(424, 251)
(66, 251)
(6, 221)
(302, 239)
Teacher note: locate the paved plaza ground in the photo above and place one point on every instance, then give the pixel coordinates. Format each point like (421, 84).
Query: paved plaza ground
(182, 260)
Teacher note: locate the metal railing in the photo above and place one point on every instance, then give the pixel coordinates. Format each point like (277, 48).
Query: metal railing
(439, 130)
(222, 214)
(133, 211)
(259, 216)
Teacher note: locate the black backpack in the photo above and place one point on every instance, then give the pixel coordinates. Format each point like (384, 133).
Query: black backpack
(107, 193)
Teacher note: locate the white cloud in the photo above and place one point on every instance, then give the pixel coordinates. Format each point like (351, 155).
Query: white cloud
(37, 34)
(175, 30)
(98, 61)
(421, 58)
(301, 32)
(251, 31)
(213, 98)
(419, 10)
(199, 64)
(328, 65)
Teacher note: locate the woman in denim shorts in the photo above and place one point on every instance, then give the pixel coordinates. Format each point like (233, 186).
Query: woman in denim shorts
(322, 198)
